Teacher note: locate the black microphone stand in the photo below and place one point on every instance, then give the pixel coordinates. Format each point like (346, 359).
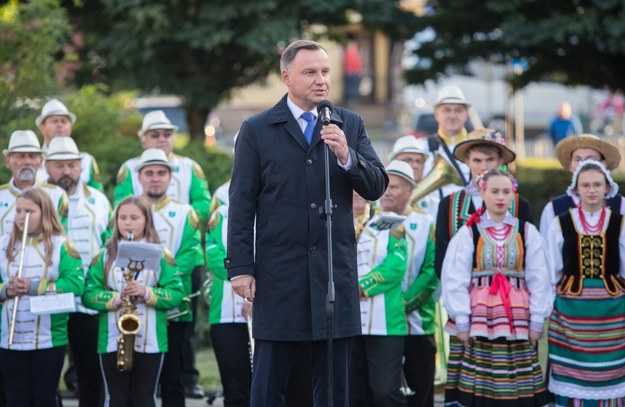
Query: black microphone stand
(327, 215)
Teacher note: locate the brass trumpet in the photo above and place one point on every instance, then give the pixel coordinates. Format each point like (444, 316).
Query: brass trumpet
(20, 268)
(442, 173)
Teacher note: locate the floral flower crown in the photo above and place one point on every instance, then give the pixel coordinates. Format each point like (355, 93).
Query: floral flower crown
(480, 181)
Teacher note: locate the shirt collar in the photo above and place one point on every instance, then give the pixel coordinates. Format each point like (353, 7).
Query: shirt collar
(297, 111)
(487, 221)
(455, 139)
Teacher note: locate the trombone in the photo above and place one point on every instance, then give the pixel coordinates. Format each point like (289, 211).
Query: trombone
(19, 275)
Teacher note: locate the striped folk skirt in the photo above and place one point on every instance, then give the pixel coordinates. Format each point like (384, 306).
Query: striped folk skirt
(587, 347)
(498, 373)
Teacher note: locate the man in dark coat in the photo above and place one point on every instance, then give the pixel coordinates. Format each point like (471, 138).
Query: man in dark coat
(278, 188)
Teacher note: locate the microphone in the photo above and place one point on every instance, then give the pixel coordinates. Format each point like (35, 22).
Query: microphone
(324, 108)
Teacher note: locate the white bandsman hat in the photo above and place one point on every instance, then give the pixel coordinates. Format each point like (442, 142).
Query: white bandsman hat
(63, 148)
(54, 107)
(156, 120)
(23, 141)
(153, 156)
(401, 169)
(451, 94)
(408, 144)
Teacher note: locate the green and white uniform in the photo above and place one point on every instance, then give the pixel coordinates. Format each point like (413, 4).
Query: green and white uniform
(188, 183)
(89, 172)
(381, 270)
(9, 193)
(220, 197)
(87, 222)
(64, 275)
(225, 306)
(177, 227)
(420, 282)
(166, 292)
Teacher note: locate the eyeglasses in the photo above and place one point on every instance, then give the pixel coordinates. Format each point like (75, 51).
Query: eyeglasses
(160, 133)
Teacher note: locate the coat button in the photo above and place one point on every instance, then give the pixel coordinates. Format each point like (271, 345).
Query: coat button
(313, 206)
(309, 162)
(313, 250)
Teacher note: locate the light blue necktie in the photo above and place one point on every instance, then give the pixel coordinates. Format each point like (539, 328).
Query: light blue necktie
(310, 127)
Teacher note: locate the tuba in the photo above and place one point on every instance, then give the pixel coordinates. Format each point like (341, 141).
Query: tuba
(128, 323)
(442, 173)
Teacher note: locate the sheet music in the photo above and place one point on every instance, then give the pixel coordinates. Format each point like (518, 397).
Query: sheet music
(387, 220)
(139, 255)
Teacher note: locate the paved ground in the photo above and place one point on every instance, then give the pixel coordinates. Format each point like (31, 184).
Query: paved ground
(438, 402)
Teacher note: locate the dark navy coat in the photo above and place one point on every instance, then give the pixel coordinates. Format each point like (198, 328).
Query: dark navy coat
(278, 183)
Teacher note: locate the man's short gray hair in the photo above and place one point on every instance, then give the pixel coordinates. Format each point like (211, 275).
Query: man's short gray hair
(288, 55)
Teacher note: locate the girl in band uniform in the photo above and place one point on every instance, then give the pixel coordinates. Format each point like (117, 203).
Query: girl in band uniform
(31, 365)
(154, 293)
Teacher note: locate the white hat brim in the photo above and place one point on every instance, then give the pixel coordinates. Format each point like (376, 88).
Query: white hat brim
(402, 175)
(139, 167)
(29, 149)
(40, 119)
(64, 156)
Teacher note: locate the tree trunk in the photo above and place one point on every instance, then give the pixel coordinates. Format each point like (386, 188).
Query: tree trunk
(196, 117)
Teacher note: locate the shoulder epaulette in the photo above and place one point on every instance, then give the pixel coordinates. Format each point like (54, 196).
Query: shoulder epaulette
(213, 221)
(122, 174)
(4, 186)
(169, 257)
(197, 170)
(94, 167)
(96, 258)
(71, 249)
(194, 220)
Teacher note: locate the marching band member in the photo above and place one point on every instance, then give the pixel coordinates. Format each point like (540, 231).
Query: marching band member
(228, 317)
(23, 158)
(54, 121)
(382, 262)
(32, 363)
(188, 184)
(88, 218)
(154, 293)
(177, 227)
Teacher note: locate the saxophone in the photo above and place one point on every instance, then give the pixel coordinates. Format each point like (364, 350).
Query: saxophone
(128, 323)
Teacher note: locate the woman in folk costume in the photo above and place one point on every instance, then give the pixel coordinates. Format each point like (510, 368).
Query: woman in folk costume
(32, 346)
(497, 291)
(587, 326)
(152, 292)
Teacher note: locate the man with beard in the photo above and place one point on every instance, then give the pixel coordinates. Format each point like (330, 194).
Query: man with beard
(23, 158)
(55, 121)
(177, 227)
(89, 214)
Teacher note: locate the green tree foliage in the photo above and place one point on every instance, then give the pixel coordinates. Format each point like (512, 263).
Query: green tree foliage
(203, 50)
(31, 33)
(574, 42)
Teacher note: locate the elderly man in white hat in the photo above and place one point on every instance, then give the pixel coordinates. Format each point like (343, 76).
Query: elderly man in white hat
(397, 283)
(415, 152)
(188, 183)
(570, 152)
(54, 121)
(88, 218)
(177, 226)
(23, 157)
(451, 112)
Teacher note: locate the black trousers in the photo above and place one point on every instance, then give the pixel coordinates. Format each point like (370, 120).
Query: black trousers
(375, 371)
(172, 388)
(231, 346)
(31, 377)
(190, 374)
(82, 331)
(273, 364)
(420, 368)
(136, 388)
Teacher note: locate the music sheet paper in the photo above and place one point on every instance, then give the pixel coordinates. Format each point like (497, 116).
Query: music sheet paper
(139, 255)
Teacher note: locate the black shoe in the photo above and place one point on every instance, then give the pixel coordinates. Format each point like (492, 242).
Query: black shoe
(194, 392)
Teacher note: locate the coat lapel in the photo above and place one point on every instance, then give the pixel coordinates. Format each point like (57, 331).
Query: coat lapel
(280, 113)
